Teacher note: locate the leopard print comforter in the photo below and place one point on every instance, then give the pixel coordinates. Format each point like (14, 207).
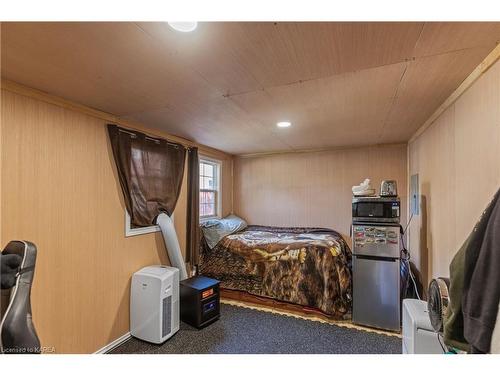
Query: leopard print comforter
(305, 266)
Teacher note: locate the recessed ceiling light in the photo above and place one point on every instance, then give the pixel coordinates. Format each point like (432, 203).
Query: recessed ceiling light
(283, 124)
(184, 27)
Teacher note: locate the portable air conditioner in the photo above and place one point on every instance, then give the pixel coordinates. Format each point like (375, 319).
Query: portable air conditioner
(419, 336)
(154, 303)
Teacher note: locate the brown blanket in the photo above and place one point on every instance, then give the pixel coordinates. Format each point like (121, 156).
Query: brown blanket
(306, 266)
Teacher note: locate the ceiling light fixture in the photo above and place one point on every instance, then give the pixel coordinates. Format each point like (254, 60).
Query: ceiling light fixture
(183, 27)
(283, 124)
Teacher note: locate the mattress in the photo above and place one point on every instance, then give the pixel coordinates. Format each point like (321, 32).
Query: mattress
(304, 266)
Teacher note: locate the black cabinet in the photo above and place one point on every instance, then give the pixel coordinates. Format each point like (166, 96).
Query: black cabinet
(200, 301)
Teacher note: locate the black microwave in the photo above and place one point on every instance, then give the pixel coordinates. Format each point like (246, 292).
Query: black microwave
(375, 209)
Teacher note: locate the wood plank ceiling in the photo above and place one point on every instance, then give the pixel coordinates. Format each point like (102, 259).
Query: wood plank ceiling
(227, 84)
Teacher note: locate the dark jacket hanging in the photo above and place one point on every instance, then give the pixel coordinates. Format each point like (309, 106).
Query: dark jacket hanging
(193, 208)
(475, 285)
(481, 294)
(150, 171)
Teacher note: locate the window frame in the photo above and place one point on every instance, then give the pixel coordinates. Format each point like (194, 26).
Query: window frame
(129, 231)
(217, 164)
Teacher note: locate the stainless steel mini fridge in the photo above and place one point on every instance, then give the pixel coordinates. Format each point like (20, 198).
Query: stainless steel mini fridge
(376, 276)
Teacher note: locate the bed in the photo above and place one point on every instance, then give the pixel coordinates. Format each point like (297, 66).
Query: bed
(304, 266)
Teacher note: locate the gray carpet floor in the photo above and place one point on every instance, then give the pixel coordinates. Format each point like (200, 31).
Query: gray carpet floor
(246, 331)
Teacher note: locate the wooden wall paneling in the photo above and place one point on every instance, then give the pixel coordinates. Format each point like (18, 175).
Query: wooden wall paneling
(17, 88)
(457, 159)
(477, 150)
(312, 189)
(432, 232)
(60, 190)
(437, 202)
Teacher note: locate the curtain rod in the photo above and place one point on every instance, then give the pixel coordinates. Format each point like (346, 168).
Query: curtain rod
(151, 138)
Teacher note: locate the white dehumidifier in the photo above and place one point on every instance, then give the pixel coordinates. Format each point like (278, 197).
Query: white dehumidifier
(154, 303)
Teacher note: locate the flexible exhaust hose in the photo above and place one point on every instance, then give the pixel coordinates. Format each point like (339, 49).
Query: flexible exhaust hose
(172, 244)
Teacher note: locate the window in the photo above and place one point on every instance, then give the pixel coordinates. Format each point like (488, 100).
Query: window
(209, 188)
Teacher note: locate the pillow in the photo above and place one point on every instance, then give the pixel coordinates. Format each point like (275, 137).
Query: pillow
(216, 229)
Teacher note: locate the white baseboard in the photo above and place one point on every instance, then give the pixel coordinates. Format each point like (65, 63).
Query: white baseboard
(114, 344)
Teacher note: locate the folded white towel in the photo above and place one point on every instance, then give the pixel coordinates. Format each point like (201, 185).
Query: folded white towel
(365, 185)
(363, 189)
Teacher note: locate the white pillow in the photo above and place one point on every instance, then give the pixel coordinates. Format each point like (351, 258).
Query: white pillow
(216, 229)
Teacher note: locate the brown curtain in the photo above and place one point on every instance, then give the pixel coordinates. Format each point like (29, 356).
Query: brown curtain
(150, 171)
(193, 208)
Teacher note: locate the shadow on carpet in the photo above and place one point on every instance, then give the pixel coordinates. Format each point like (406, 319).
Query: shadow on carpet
(246, 331)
